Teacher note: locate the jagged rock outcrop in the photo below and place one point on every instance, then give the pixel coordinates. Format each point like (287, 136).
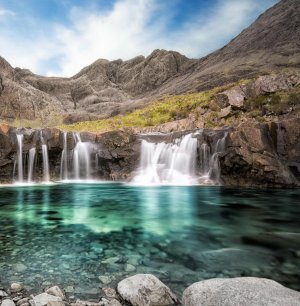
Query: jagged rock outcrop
(106, 88)
(263, 154)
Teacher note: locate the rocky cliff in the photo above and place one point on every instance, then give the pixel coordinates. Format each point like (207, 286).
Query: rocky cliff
(106, 88)
(254, 154)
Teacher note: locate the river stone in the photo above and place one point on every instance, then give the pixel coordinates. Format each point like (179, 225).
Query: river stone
(43, 299)
(8, 303)
(146, 290)
(16, 287)
(2, 294)
(56, 291)
(55, 303)
(240, 291)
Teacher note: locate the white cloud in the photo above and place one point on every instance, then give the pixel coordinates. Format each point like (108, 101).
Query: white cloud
(4, 13)
(130, 28)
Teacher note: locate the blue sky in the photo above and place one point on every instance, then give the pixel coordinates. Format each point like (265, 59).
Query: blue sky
(60, 37)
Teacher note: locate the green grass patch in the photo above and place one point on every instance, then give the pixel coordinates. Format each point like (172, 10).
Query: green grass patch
(158, 112)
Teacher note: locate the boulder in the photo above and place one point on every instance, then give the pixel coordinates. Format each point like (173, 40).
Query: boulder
(16, 287)
(146, 290)
(8, 302)
(233, 97)
(238, 292)
(56, 291)
(2, 294)
(44, 298)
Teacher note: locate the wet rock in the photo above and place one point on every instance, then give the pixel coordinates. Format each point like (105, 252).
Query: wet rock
(20, 267)
(111, 302)
(56, 291)
(129, 268)
(105, 279)
(240, 291)
(43, 299)
(2, 294)
(22, 301)
(146, 290)
(55, 303)
(16, 287)
(110, 292)
(8, 302)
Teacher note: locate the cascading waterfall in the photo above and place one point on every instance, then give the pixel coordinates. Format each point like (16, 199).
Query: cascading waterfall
(20, 157)
(64, 159)
(46, 173)
(81, 158)
(175, 163)
(32, 153)
(215, 169)
(168, 163)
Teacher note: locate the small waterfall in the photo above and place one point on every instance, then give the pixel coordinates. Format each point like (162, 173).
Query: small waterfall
(32, 153)
(46, 173)
(175, 163)
(214, 165)
(64, 159)
(204, 156)
(20, 157)
(168, 163)
(81, 158)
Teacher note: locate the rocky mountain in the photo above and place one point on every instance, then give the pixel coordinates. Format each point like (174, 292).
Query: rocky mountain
(106, 88)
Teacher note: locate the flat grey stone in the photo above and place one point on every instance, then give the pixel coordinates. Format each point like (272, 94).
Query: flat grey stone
(240, 291)
(146, 290)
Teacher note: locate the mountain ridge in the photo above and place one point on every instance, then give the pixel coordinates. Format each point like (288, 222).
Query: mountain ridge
(106, 88)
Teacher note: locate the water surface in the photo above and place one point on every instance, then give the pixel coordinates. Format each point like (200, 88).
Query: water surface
(87, 236)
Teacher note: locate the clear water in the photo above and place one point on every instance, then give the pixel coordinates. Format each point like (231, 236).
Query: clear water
(87, 236)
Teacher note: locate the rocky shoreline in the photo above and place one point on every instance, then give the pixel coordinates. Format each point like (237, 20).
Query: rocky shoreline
(148, 290)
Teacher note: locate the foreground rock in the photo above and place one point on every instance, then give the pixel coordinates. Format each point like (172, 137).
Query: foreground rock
(146, 290)
(238, 292)
(44, 298)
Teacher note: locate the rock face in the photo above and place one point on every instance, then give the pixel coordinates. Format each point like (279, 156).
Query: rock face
(266, 84)
(263, 154)
(254, 154)
(146, 290)
(106, 88)
(238, 292)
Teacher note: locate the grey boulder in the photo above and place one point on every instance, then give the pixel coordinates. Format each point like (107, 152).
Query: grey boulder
(146, 290)
(240, 291)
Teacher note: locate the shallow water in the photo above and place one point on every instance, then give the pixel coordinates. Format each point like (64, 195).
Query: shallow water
(87, 236)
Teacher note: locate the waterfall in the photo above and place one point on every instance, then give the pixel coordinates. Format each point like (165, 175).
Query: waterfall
(64, 159)
(32, 153)
(175, 162)
(214, 165)
(81, 158)
(20, 157)
(204, 156)
(46, 174)
(168, 163)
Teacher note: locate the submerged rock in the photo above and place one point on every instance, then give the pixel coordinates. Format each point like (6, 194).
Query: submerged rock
(239, 291)
(146, 290)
